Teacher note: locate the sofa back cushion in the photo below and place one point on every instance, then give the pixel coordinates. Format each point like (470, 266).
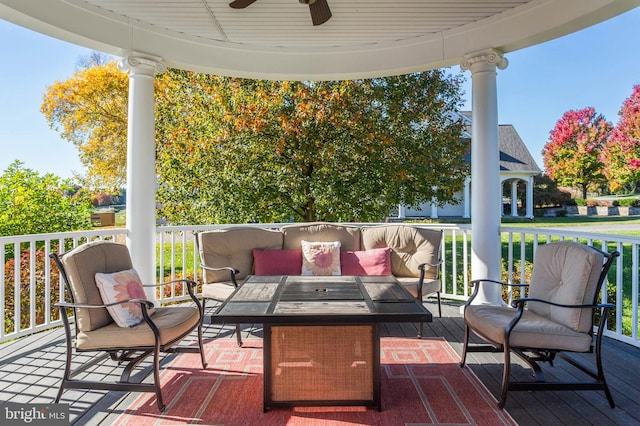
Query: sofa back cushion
(348, 236)
(410, 247)
(233, 247)
(81, 266)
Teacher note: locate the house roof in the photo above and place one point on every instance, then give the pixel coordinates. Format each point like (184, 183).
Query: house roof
(514, 154)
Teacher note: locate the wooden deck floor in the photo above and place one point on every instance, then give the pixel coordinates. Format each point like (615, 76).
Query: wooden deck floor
(31, 367)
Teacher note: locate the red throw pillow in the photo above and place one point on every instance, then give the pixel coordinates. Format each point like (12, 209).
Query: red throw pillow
(368, 262)
(277, 262)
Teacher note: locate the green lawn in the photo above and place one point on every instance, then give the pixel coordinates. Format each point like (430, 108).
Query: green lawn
(572, 221)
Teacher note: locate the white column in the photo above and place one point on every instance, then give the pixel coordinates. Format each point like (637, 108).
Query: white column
(401, 212)
(486, 192)
(466, 198)
(141, 166)
(530, 197)
(434, 205)
(514, 198)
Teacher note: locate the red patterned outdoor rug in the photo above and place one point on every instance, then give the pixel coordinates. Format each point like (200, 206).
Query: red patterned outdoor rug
(422, 384)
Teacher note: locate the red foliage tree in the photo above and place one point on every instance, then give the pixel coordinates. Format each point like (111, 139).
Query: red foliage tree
(621, 154)
(572, 154)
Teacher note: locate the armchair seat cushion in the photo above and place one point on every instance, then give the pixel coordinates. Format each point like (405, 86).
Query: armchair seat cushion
(411, 285)
(173, 322)
(532, 331)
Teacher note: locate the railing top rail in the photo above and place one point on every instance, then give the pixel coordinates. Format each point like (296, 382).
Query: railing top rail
(567, 232)
(52, 236)
(180, 228)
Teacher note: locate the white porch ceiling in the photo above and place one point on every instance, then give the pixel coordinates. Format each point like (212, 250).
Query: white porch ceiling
(275, 38)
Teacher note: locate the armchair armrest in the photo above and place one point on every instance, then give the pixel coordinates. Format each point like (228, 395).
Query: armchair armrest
(476, 284)
(143, 302)
(232, 271)
(522, 301)
(191, 288)
(423, 267)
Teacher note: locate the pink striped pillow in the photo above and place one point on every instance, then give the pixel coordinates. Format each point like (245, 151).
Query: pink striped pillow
(368, 262)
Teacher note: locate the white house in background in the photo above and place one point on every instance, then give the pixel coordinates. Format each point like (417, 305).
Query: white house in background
(517, 167)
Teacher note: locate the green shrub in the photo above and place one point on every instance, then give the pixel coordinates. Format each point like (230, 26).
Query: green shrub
(629, 202)
(580, 202)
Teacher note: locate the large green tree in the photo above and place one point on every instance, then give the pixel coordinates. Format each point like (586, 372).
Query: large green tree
(234, 150)
(572, 154)
(278, 151)
(31, 203)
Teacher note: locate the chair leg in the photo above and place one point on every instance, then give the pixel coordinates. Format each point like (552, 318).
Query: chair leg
(202, 355)
(156, 377)
(67, 366)
(439, 306)
(600, 370)
(505, 377)
(420, 329)
(238, 335)
(463, 357)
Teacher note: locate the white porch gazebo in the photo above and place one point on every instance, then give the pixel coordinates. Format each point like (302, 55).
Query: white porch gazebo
(275, 39)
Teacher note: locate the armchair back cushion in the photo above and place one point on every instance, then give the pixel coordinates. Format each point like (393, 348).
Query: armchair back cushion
(566, 273)
(409, 246)
(81, 265)
(348, 236)
(234, 247)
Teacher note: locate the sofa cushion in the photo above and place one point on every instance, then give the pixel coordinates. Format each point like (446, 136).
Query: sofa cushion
(233, 247)
(349, 236)
(429, 286)
(120, 286)
(410, 246)
(320, 258)
(220, 290)
(277, 262)
(366, 262)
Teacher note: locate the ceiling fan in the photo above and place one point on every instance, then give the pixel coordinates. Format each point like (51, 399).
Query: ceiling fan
(319, 9)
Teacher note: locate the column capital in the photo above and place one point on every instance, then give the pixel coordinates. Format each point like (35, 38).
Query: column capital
(477, 61)
(142, 63)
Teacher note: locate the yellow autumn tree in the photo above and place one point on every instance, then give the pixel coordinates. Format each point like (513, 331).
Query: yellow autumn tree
(90, 110)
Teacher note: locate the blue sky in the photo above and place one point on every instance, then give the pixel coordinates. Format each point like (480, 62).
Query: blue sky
(595, 67)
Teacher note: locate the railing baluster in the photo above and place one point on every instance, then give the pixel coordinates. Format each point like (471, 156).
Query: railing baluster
(16, 287)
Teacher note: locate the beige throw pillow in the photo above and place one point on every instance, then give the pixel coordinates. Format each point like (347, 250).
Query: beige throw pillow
(320, 258)
(120, 286)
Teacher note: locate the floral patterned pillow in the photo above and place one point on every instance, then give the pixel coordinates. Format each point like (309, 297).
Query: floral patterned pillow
(320, 258)
(120, 286)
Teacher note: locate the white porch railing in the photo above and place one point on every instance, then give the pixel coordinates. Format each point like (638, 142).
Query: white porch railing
(30, 287)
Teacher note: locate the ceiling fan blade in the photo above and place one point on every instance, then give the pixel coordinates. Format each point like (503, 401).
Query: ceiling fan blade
(241, 4)
(320, 12)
